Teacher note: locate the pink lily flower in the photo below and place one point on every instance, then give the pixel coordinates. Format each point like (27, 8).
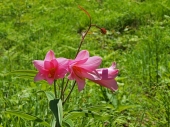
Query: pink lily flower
(108, 76)
(50, 68)
(84, 67)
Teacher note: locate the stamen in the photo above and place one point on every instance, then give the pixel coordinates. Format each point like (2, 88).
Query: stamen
(51, 73)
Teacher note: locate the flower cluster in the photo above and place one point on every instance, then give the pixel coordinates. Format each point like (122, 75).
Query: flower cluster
(81, 68)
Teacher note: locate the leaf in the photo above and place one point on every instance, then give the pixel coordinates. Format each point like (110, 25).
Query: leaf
(50, 95)
(86, 113)
(74, 115)
(56, 108)
(28, 117)
(53, 122)
(101, 107)
(68, 122)
(23, 73)
(124, 107)
(112, 98)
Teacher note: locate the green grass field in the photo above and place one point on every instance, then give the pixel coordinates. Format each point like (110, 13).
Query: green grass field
(137, 39)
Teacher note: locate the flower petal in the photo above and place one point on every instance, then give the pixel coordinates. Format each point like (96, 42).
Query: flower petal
(84, 54)
(50, 80)
(71, 76)
(54, 62)
(79, 80)
(91, 64)
(80, 83)
(48, 65)
(39, 76)
(60, 73)
(108, 73)
(62, 63)
(90, 75)
(49, 56)
(111, 84)
(39, 64)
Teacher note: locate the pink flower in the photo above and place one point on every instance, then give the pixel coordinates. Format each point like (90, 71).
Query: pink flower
(107, 77)
(84, 67)
(50, 68)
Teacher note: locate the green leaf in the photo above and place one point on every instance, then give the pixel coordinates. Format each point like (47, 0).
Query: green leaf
(23, 73)
(86, 113)
(56, 108)
(113, 99)
(101, 107)
(50, 95)
(124, 107)
(68, 123)
(74, 115)
(53, 122)
(28, 117)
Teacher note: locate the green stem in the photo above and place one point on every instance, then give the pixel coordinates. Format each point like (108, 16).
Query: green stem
(55, 89)
(65, 88)
(80, 44)
(69, 92)
(83, 38)
(62, 90)
(75, 57)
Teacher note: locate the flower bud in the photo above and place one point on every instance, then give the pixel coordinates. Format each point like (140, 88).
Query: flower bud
(103, 30)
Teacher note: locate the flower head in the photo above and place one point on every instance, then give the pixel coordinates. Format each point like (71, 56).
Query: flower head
(50, 68)
(84, 67)
(108, 76)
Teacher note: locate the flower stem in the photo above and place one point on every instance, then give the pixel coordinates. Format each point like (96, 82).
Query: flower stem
(83, 36)
(62, 90)
(55, 89)
(69, 92)
(65, 87)
(80, 44)
(78, 51)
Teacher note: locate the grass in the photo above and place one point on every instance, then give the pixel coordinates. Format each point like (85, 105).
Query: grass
(137, 39)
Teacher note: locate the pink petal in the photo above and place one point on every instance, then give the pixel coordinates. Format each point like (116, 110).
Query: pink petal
(73, 62)
(113, 66)
(63, 63)
(39, 64)
(104, 74)
(108, 73)
(39, 76)
(61, 72)
(48, 65)
(71, 76)
(80, 83)
(54, 62)
(49, 56)
(90, 75)
(50, 80)
(111, 84)
(62, 67)
(84, 54)
(113, 73)
(91, 64)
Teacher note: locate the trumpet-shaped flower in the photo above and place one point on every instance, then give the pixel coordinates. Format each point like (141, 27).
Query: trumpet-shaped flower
(50, 68)
(84, 67)
(107, 77)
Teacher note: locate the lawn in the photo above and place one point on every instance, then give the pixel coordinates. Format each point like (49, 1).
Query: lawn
(137, 39)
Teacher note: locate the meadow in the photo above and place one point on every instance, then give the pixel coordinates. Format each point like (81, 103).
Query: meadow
(137, 39)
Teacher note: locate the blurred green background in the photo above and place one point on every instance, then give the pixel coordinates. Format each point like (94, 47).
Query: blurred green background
(137, 39)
